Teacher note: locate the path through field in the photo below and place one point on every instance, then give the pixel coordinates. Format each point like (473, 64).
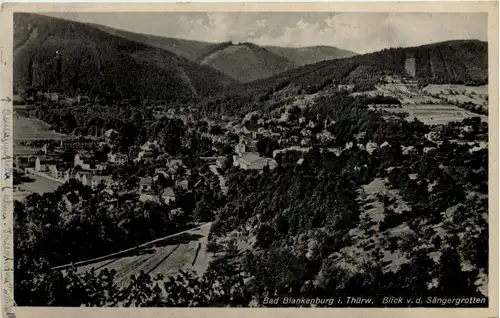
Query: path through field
(186, 251)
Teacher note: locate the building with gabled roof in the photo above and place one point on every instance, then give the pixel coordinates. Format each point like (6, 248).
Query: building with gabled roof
(168, 195)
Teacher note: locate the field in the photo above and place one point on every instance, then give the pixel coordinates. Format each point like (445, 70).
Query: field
(437, 95)
(38, 185)
(32, 129)
(477, 95)
(20, 150)
(183, 252)
(431, 114)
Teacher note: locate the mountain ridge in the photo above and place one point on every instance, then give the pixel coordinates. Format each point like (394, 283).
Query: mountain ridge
(94, 62)
(195, 51)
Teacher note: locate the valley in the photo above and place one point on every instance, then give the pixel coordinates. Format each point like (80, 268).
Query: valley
(164, 172)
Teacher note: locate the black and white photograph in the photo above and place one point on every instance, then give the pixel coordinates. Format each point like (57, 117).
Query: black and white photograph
(251, 159)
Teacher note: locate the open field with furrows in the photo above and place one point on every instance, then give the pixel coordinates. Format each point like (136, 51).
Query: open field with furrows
(33, 129)
(186, 251)
(430, 114)
(410, 93)
(20, 150)
(477, 95)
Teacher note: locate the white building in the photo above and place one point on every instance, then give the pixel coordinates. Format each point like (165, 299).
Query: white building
(117, 158)
(252, 161)
(168, 195)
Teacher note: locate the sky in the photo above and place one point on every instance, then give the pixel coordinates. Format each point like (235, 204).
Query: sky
(358, 32)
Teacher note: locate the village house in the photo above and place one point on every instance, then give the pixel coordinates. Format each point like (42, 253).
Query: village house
(56, 171)
(149, 146)
(434, 137)
(252, 161)
(42, 163)
(86, 143)
(110, 135)
(410, 150)
(69, 174)
(168, 195)
(174, 163)
(117, 158)
(82, 98)
(85, 178)
(79, 161)
(145, 184)
(220, 162)
(22, 162)
(370, 147)
(305, 141)
(100, 167)
(148, 198)
(147, 154)
(306, 132)
(183, 184)
(292, 148)
(45, 149)
(325, 136)
(159, 172)
(69, 201)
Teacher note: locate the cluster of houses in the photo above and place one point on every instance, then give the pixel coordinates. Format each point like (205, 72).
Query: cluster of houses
(248, 159)
(92, 175)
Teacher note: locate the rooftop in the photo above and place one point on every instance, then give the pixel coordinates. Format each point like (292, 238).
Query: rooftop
(103, 178)
(168, 192)
(250, 157)
(145, 180)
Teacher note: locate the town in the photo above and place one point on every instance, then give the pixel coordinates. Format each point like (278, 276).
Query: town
(153, 171)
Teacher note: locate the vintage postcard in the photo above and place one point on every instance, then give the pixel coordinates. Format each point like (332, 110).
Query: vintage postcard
(282, 160)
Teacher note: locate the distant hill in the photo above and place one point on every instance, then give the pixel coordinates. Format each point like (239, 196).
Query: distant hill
(70, 57)
(452, 62)
(311, 54)
(192, 50)
(245, 62)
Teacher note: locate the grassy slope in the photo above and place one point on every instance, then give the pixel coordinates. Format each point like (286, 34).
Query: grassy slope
(245, 62)
(309, 55)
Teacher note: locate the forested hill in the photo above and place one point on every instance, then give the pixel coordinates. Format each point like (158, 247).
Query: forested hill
(452, 62)
(460, 62)
(70, 57)
(192, 50)
(242, 61)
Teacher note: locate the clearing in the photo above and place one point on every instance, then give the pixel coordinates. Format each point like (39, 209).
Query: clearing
(430, 114)
(26, 128)
(186, 251)
(37, 184)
